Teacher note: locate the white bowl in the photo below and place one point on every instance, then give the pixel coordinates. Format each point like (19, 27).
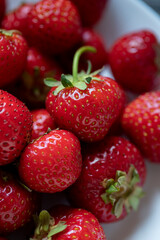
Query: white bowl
(121, 17)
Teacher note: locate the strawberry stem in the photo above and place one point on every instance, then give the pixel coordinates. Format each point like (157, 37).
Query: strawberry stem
(46, 227)
(76, 58)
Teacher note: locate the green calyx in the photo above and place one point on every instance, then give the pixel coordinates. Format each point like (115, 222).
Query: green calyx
(9, 32)
(46, 227)
(78, 80)
(123, 191)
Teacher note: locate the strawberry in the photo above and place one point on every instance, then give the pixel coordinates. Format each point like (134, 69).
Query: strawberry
(13, 54)
(15, 127)
(2, 238)
(86, 104)
(17, 204)
(65, 222)
(90, 11)
(42, 121)
(17, 19)
(2, 9)
(52, 162)
(133, 60)
(54, 26)
(141, 122)
(111, 178)
(30, 88)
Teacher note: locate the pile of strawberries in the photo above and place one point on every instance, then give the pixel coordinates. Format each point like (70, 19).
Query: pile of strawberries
(66, 128)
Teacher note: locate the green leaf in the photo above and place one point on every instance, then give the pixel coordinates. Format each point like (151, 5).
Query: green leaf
(58, 89)
(105, 198)
(57, 228)
(97, 72)
(122, 180)
(112, 189)
(80, 85)
(120, 174)
(88, 79)
(134, 202)
(66, 82)
(118, 208)
(112, 199)
(135, 178)
(51, 82)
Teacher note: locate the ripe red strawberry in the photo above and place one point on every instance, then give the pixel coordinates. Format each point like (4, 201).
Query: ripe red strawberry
(69, 223)
(141, 122)
(90, 11)
(13, 54)
(15, 127)
(17, 204)
(86, 104)
(52, 162)
(133, 60)
(54, 26)
(42, 121)
(31, 88)
(109, 184)
(17, 19)
(2, 9)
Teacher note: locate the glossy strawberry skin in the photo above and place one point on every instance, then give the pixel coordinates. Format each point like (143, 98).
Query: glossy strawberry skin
(81, 224)
(132, 60)
(15, 127)
(140, 120)
(54, 26)
(90, 11)
(51, 163)
(42, 121)
(87, 113)
(17, 204)
(31, 88)
(13, 57)
(45, 65)
(17, 19)
(101, 161)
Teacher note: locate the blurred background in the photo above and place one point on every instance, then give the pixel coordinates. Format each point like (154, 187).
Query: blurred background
(155, 4)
